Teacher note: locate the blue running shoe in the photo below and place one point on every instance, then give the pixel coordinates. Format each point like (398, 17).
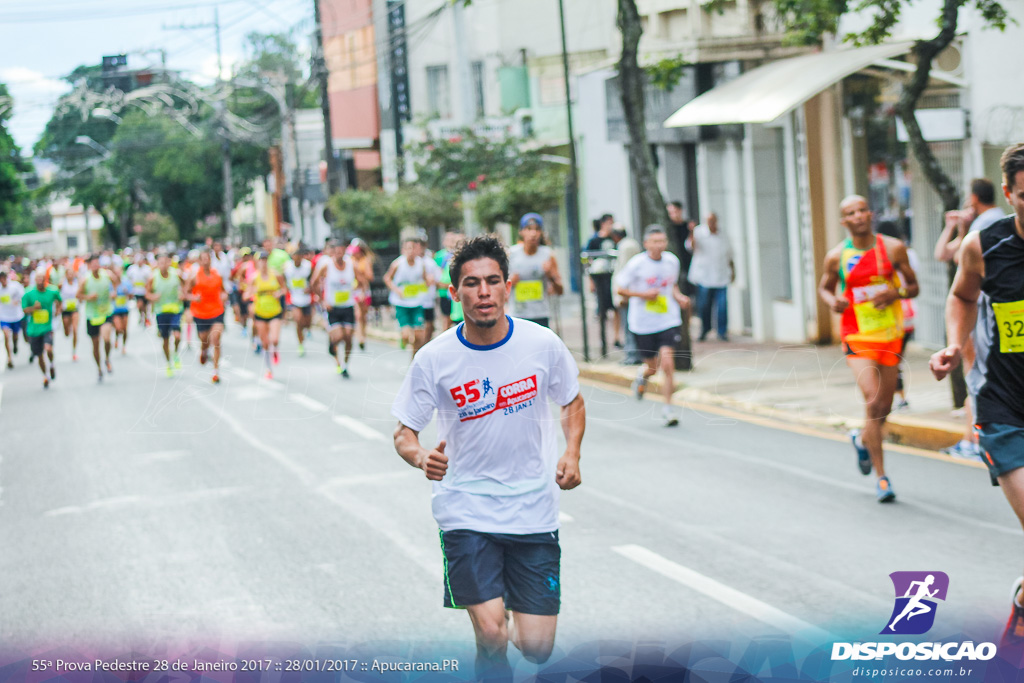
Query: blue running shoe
(863, 457)
(883, 491)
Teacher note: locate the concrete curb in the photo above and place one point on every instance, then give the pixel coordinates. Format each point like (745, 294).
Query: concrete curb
(901, 429)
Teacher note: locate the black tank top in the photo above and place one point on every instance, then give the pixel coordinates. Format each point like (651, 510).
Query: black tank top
(997, 378)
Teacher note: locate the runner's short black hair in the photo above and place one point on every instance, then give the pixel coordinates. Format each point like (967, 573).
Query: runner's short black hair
(484, 246)
(984, 190)
(1012, 163)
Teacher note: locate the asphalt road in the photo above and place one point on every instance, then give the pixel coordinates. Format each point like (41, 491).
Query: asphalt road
(148, 509)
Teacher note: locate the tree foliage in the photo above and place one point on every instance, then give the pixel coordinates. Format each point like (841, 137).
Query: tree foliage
(369, 214)
(508, 202)
(418, 205)
(13, 193)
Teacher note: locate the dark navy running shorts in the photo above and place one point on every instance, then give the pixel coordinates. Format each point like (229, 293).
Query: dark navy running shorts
(1002, 447)
(522, 569)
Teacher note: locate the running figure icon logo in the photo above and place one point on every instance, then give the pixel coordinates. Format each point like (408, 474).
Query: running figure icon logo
(916, 593)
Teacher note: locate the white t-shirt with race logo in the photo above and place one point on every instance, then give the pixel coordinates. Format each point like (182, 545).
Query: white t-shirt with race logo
(493, 410)
(643, 273)
(10, 302)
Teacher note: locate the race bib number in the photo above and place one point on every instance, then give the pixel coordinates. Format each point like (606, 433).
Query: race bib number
(139, 285)
(298, 283)
(659, 305)
(870, 319)
(170, 308)
(529, 290)
(41, 317)
(1010, 321)
(342, 297)
(71, 306)
(413, 291)
(96, 322)
(5, 298)
(121, 301)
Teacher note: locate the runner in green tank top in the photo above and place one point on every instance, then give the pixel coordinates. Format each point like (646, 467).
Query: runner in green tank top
(164, 290)
(97, 292)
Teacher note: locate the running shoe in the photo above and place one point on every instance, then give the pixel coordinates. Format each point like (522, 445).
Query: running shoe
(883, 491)
(401, 344)
(216, 379)
(99, 379)
(672, 421)
(275, 359)
(10, 365)
(362, 346)
(46, 382)
(863, 457)
(1013, 634)
(202, 357)
(74, 358)
(965, 450)
(170, 371)
(53, 372)
(338, 370)
(269, 375)
(302, 350)
(639, 385)
(110, 368)
(177, 362)
(901, 405)
(344, 373)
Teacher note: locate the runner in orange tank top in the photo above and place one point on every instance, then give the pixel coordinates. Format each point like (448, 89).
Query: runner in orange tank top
(207, 294)
(864, 266)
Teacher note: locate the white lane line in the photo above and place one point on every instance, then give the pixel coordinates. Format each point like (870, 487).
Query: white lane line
(359, 428)
(155, 501)
(730, 597)
(307, 402)
(769, 563)
(381, 523)
(703, 450)
(243, 373)
(368, 479)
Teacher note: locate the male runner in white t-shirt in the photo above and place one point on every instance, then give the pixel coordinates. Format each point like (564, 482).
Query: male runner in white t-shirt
(496, 470)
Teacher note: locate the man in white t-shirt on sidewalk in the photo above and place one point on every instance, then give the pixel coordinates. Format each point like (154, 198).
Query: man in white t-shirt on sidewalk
(497, 473)
(651, 283)
(712, 271)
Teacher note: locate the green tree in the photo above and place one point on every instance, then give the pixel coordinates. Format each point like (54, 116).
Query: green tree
(13, 193)
(420, 206)
(369, 214)
(172, 166)
(509, 201)
(809, 20)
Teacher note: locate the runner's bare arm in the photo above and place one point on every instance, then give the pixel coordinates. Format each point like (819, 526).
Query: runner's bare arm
(551, 270)
(574, 422)
(901, 262)
(434, 463)
(681, 299)
(829, 282)
(961, 306)
(389, 278)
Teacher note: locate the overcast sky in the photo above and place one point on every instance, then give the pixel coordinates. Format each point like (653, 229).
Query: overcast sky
(40, 42)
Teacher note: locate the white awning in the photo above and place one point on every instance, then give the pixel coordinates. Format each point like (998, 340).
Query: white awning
(767, 92)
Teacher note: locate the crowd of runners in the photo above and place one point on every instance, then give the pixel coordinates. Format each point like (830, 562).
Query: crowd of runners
(496, 469)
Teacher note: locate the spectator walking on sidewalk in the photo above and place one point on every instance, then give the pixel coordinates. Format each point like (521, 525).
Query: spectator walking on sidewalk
(712, 271)
(627, 248)
(979, 212)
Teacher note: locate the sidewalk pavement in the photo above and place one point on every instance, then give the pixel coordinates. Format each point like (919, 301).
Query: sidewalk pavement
(804, 384)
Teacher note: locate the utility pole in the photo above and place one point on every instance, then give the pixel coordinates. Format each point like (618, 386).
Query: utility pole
(320, 70)
(572, 191)
(229, 190)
